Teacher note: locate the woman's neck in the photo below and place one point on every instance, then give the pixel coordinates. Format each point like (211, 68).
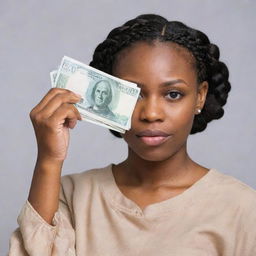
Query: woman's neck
(175, 171)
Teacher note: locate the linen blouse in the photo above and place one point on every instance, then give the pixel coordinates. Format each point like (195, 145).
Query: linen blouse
(215, 216)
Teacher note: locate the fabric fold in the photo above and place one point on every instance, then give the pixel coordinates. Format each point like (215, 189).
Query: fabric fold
(50, 240)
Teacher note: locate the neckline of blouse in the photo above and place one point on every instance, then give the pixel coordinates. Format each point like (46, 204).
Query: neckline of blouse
(176, 204)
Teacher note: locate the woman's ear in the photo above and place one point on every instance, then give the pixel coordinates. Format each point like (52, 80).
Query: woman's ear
(201, 96)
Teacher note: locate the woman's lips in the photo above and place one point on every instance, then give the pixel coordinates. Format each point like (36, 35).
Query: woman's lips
(153, 137)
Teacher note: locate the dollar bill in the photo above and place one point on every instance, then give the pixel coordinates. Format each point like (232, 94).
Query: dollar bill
(53, 75)
(106, 100)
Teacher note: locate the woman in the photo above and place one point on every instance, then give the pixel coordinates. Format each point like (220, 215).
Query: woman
(158, 201)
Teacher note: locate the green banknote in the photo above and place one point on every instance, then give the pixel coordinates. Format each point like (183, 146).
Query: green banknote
(106, 100)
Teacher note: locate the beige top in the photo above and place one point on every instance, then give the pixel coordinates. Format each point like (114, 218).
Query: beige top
(215, 216)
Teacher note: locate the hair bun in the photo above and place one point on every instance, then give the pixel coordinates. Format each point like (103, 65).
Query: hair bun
(214, 51)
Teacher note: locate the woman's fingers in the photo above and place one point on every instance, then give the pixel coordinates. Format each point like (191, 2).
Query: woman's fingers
(51, 94)
(56, 102)
(52, 101)
(66, 115)
(71, 123)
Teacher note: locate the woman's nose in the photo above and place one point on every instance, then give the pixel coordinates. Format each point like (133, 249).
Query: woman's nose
(151, 110)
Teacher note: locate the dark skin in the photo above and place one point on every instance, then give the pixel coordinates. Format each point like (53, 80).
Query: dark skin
(170, 98)
(157, 167)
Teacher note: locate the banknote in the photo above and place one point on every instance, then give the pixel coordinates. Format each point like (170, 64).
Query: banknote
(106, 100)
(53, 75)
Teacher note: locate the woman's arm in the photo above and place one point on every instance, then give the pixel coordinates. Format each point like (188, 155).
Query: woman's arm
(45, 187)
(51, 119)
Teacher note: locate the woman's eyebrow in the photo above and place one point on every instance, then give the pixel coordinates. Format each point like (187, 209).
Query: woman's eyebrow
(172, 82)
(167, 83)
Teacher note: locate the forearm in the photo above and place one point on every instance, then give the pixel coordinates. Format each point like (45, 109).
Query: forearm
(52, 118)
(45, 188)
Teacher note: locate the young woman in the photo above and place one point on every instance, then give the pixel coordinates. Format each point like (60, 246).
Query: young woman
(158, 201)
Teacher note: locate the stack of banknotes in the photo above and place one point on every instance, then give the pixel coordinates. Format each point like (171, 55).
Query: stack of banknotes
(105, 100)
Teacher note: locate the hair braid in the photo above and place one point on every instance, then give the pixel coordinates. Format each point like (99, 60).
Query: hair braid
(152, 27)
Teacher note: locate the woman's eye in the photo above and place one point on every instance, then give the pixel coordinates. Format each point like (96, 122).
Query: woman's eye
(174, 95)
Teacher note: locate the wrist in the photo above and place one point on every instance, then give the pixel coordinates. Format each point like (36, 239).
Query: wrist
(45, 163)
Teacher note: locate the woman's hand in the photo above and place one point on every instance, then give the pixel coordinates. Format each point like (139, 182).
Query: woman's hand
(51, 119)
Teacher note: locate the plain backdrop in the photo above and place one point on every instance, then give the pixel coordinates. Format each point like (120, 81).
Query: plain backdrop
(35, 35)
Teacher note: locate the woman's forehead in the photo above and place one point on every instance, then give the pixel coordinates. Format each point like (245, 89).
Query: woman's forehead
(157, 59)
(150, 50)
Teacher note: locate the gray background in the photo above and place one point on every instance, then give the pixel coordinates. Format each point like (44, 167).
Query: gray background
(36, 34)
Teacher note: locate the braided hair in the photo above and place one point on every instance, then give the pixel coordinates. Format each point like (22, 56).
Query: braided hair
(151, 27)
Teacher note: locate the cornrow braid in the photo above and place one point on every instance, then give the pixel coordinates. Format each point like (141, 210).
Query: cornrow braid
(149, 28)
(122, 37)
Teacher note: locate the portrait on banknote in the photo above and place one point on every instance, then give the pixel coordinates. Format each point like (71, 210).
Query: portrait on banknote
(100, 98)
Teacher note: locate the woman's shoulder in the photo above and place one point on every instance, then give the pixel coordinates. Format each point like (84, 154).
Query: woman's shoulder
(234, 190)
(86, 178)
(231, 182)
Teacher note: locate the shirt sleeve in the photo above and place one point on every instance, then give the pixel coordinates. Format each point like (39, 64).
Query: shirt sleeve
(35, 237)
(246, 243)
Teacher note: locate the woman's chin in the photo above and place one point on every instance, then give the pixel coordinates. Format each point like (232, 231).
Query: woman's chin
(153, 156)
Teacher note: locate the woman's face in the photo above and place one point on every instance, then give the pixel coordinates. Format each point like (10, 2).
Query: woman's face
(170, 97)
